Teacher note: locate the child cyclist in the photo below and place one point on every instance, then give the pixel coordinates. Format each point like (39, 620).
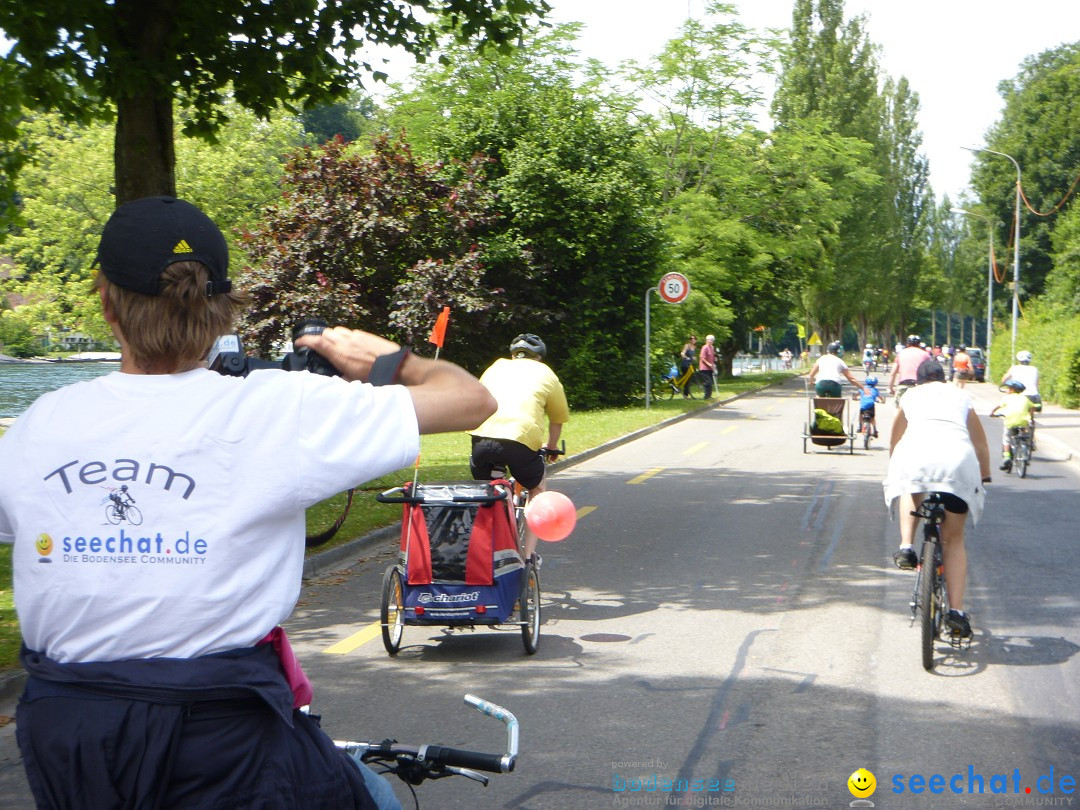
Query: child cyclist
(868, 397)
(1016, 410)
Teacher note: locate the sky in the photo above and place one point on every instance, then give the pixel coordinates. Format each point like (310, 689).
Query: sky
(952, 52)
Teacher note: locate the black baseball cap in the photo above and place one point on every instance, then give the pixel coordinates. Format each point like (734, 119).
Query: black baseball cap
(145, 236)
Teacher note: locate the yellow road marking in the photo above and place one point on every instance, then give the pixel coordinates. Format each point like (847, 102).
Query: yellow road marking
(729, 429)
(645, 476)
(583, 511)
(695, 448)
(347, 645)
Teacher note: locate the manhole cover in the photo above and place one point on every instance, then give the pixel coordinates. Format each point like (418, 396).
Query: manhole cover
(605, 637)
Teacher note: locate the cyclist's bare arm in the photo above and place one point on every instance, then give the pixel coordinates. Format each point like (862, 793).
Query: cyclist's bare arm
(978, 439)
(554, 432)
(446, 397)
(899, 425)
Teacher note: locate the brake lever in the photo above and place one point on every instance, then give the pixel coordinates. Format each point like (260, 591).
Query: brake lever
(476, 776)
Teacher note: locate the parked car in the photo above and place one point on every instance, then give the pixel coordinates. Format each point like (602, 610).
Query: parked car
(978, 364)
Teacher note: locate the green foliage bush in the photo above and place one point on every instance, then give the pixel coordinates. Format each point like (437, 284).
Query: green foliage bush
(16, 338)
(1053, 336)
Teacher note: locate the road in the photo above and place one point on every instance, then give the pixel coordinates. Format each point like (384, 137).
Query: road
(728, 612)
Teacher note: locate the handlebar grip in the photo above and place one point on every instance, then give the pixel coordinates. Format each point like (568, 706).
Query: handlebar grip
(477, 760)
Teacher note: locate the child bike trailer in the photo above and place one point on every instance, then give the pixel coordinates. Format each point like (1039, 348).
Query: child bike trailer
(828, 425)
(459, 564)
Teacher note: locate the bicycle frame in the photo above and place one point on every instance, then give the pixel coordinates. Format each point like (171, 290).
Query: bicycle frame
(1020, 447)
(930, 597)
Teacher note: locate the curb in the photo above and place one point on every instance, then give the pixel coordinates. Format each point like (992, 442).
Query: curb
(11, 686)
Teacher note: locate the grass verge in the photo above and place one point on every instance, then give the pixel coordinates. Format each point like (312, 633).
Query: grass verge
(443, 457)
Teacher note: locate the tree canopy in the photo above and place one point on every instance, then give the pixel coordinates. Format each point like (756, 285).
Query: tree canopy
(138, 60)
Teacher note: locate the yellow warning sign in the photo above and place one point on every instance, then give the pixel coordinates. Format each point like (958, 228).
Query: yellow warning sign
(814, 339)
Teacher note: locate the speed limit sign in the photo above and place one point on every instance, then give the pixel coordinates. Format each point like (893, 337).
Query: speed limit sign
(673, 288)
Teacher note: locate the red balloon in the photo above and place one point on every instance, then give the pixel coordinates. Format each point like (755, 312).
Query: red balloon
(551, 516)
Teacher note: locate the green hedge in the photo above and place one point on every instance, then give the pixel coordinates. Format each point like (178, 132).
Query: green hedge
(1054, 338)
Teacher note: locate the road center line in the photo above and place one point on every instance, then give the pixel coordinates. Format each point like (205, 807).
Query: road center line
(347, 645)
(645, 476)
(729, 429)
(691, 450)
(583, 511)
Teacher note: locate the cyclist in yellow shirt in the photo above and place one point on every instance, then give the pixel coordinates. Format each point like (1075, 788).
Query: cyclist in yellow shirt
(527, 392)
(1016, 410)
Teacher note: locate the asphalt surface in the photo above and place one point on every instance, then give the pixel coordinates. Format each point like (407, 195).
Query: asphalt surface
(1058, 434)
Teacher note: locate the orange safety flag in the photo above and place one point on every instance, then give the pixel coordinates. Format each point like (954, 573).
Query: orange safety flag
(438, 333)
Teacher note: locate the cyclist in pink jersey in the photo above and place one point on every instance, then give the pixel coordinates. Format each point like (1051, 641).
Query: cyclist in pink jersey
(908, 360)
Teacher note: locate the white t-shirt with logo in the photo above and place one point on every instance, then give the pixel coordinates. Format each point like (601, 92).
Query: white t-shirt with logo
(209, 554)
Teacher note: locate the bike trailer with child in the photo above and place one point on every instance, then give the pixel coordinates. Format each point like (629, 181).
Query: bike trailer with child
(460, 563)
(828, 424)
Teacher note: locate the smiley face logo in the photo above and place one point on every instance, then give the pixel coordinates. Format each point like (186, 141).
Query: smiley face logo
(44, 546)
(862, 783)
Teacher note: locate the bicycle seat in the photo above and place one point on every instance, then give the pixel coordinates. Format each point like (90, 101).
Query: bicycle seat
(932, 508)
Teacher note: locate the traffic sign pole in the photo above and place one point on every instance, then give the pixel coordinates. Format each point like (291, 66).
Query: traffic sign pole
(672, 288)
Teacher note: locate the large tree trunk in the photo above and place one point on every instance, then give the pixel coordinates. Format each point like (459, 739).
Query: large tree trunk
(143, 151)
(725, 357)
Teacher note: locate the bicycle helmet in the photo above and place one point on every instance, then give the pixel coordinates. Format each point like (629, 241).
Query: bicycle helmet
(1024, 357)
(913, 340)
(871, 380)
(835, 347)
(528, 345)
(869, 345)
(1016, 386)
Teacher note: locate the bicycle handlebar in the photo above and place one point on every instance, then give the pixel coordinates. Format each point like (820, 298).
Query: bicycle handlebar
(415, 763)
(551, 451)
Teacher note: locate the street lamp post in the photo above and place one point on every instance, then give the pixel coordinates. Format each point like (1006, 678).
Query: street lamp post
(1016, 245)
(989, 282)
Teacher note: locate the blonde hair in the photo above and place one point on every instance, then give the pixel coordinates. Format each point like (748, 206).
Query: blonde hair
(172, 331)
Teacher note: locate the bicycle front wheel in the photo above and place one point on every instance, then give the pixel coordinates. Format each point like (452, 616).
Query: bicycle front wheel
(133, 515)
(928, 607)
(1023, 457)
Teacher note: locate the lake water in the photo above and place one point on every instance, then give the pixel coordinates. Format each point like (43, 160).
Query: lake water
(22, 383)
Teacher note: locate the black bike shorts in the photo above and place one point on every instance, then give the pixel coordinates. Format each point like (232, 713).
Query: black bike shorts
(953, 503)
(1036, 400)
(522, 462)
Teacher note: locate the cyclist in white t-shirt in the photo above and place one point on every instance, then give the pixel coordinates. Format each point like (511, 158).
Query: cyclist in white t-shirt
(829, 372)
(154, 652)
(1028, 374)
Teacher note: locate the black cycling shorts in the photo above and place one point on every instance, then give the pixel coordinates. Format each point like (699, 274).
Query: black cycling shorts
(1036, 400)
(522, 462)
(953, 503)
